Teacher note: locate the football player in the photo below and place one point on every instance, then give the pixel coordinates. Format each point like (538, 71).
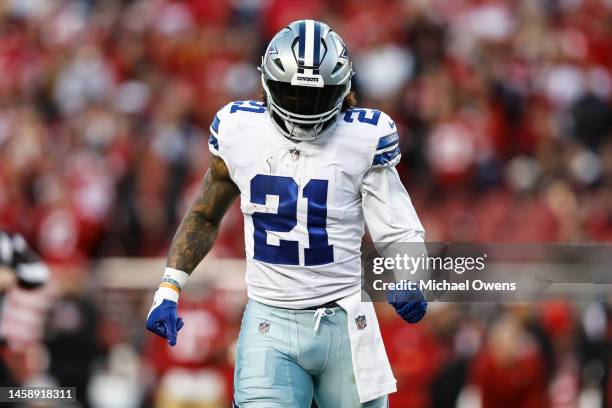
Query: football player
(309, 168)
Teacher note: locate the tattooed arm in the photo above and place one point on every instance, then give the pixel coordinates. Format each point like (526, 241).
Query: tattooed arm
(192, 241)
(198, 229)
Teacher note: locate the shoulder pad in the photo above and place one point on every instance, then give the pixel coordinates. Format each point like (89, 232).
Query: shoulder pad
(229, 113)
(379, 126)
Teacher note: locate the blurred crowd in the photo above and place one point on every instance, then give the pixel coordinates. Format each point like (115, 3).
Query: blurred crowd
(503, 109)
(505, 117)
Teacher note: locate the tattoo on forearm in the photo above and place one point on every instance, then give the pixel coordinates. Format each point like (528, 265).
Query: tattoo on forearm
(198, 229)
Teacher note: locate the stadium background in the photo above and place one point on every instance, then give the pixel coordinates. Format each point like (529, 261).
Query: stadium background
(505, 121)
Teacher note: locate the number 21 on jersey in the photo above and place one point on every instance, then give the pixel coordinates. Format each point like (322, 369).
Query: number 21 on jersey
(285, 219)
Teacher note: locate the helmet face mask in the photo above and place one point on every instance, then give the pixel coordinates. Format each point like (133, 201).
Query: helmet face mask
(306, 74)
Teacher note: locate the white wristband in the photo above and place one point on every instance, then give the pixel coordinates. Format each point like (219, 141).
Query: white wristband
(164, 293)
(175, 277)
(170, 287)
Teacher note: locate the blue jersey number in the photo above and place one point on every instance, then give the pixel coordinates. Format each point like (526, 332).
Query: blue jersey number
(251, 106)
(285, 219)
(361, 116)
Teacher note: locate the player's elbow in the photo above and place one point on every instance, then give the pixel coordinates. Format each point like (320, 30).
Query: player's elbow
(398, 234)
(208, 222)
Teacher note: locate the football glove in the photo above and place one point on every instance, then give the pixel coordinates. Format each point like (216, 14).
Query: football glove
(409, 304)
(163, 318)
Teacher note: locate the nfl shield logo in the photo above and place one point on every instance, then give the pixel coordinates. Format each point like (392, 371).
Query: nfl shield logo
(360, 321)
(264, 327)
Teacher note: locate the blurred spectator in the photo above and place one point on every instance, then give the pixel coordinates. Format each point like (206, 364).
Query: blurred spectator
(73, 336)
(104, 107)
(510, 370)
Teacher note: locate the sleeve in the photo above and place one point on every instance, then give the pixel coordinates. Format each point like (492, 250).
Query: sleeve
(388, 211)
(213, 139)
(387, 152)
(387, 207)
(392, 220)
(221, 128)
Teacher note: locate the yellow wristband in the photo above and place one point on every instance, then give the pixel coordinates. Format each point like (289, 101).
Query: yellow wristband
(171, 286)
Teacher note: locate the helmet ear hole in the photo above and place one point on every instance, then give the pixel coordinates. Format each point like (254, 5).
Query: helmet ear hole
(337, 68)
(279, 64)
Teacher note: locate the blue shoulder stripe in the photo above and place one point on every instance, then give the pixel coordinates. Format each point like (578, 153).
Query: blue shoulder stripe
(386, 157)
(387, 141)
(215, 124)
(213, 142)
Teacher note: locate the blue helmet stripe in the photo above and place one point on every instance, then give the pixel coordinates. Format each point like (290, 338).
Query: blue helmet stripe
(301, 45)
(317, 47)
(386, 158)
(387, 141)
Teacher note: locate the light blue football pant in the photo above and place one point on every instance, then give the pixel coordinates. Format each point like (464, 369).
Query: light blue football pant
(282, 362)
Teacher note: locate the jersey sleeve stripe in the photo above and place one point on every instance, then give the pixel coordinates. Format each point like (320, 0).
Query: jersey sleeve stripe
(214, 126)
(387, 149)
(387, 141)
(388, 158)
(213, 142)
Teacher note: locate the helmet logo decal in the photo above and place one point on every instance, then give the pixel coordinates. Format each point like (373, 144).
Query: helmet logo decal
(311, 80)
(272, 50)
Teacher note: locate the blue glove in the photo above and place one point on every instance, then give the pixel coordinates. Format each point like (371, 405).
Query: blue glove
(163, 320)
(409, 304)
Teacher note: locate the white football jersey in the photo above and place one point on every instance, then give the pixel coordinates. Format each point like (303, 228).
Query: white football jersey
(304, 203)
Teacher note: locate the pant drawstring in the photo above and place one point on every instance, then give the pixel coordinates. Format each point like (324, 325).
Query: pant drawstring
(319, 313)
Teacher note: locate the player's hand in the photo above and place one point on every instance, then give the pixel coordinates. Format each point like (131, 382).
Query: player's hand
(163, 319)
(409, 304)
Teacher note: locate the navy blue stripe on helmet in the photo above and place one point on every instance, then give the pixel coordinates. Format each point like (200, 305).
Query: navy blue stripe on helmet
(317, 47)
(213, 142)
(387, 141)
(386, 158)
(301, 45)
(215, 124)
